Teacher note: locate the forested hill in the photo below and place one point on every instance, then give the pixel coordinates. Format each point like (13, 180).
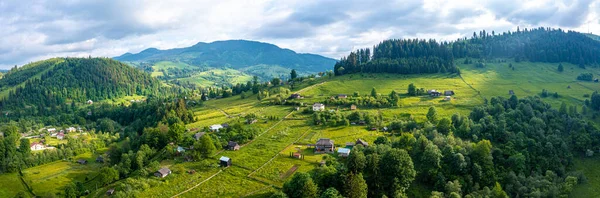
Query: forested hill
(234, 53)
(54, 82)
(428, 56)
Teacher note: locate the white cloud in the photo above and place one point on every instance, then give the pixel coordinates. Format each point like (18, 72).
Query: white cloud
(45, 28)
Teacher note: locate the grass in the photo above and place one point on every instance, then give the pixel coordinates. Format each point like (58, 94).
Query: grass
(178, 182)
(528, 79)
(218, 77)
(165, 65)
(590, 168)
(51, 178)
(231, 183)
(11, 185)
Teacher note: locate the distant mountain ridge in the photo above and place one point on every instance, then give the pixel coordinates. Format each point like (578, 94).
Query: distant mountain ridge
(235, 54)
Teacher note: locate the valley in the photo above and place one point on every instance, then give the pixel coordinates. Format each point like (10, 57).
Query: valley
(414, 119)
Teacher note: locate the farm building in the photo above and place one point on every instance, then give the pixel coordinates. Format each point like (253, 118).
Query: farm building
(434, 93)
(90, 102)
(353, 107)
(100, 159)
(110, 192)
(362, 142)
(234, 146)
(318, 107)
(216, 127)
(297, 155)
(180, 149)
(197, 136)
(324, 145)
(60, 136)
(448, 98)
(342, 96)
(343, 152)
(37, 146)
(511, 92)
(297, 108)
(162, 173)
(296, 96)
(225, 161)
(225, 125)
(71, 129)
(448, 93)
(82, 161)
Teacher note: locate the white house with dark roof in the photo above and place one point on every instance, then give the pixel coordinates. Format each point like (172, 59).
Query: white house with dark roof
(318, 107)
(216, 127)
(37, 146)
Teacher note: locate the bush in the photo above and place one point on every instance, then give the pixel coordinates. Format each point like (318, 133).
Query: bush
(585, 77)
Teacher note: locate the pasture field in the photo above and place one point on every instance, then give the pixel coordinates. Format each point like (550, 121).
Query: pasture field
(232, 182)
(11, 185)
(218, 77)
(528, 79)
(51, 178)
(590, 168)
(165, 65)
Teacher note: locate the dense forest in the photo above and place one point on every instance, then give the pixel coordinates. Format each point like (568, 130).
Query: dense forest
(505, 148)
(44, 86)
(404, 56)
(413, 56)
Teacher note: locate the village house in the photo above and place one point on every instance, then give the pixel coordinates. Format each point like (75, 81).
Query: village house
(342, 96)
(225, 161)
(82, 162)
(90, 102)
(37, 146)
(343, 152)
(296, 96)
(197, 136)
(362, 142)
(511, 92)
(234, 146)
(225, 125)
(100, 159)
(448, 93)
(216, 127)
(162, 173)
(297, 108)
(434, 93)
(448, 98)
(50, 130)
(352, 107)
(324, 145)
(110, 192)
(71, 129)
(318, 107)
(60, 136)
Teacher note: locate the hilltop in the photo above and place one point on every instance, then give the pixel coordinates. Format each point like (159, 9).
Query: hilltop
(249, 58)
(413, 56)
(55, 81)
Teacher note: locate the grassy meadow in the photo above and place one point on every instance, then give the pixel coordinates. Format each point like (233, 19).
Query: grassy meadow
(52, 178)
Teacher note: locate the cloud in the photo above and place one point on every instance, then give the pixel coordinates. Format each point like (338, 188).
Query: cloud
(47, 28)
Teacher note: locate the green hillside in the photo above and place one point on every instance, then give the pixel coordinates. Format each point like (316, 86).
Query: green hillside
(56, 81)
(251, 58)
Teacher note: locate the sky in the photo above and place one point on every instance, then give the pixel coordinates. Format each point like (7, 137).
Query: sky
(40, 29)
